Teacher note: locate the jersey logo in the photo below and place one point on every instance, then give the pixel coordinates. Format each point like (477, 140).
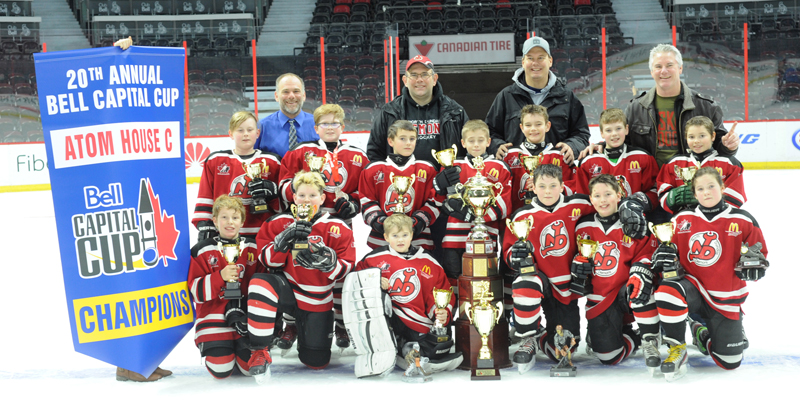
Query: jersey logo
(554, 239)
(596, 170)
(335, 231)
(733, 230)
(357, 160)
(704, 248)
(635, 167)
(212, 261)
(627, 242)
(606, 259)
(523, 180)
(624, 185)
(684, 226)
(404, 285)
(238, 186)
(379, 177)
(719, 170)
(251, 259)
(576, 213)
(426, 271)
(330, 184)
(422, 175)
(556, 162)
(223, 169)
(392, 199)
(494, 174)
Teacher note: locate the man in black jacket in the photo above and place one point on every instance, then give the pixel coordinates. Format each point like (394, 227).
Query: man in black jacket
(437, 117)
(535, 84)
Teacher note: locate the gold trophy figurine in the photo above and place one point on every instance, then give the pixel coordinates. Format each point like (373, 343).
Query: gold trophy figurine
(521, 229)
(302, 212)
(254, 171)
(441, 297)
(581, 285)
(401, 184)
(664, 233)
(445, 157)
(484, 317)
(531, 163)
(231, 254)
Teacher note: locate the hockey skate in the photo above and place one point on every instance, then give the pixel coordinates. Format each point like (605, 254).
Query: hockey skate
(699, 335)
(525, 356)
(342, 339)
(652, 357)
(589, 351)
(259, 363)
(287, 339)
(674, 367)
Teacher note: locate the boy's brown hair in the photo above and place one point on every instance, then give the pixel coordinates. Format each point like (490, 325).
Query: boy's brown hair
(224, 202)
(398, 222)
(700, 121)
(240, 117)
(550, 170)
(613, 115)
(608, 179)
(329, 109)
(400, 125)
(473, 126)
(533, 110)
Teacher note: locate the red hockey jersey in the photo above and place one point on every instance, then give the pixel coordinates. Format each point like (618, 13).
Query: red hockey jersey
(520, 176)
(635, 167)
(207, 287)
(496, 172)
(710, 249)
(553, 239)
(377, 194)
(728, 167)
(616, 253)
(350, 162)
(223, 174)
(312, 288)
(411, 284)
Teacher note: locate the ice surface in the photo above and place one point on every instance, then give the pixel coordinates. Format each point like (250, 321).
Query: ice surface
(40, 365)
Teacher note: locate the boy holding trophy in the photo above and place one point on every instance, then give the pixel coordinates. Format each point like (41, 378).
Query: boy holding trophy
(308, 252)
(218, 276)
(400, 184)
(243, 172)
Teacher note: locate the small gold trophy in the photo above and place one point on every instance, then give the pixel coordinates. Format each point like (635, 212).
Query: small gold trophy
(521, 229)
(254, 171)
(478, 193)
(441, 297)
(686, 173)
(314, 162)
(401, 185)
(531, 163)
(302, 212)
(445, 157)
(484, 317)
(231, 254)
(664, 233)
(581, 285)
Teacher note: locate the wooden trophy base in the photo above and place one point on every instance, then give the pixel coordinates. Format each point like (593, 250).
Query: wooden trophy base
(564, 371)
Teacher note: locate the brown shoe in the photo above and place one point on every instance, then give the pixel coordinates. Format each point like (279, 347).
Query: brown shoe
(128, 375)
(162, 372)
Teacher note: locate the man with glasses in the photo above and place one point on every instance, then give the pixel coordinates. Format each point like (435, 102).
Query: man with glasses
(437, 117)
(534, 84)
(283, 130)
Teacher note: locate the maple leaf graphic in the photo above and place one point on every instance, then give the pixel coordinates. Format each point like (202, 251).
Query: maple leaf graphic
(166, 232)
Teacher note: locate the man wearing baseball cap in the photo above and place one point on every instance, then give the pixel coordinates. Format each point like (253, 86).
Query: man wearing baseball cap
(535, 84)
(437, 117)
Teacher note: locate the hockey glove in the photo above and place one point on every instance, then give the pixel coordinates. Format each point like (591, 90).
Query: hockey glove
(454, 207)
(631, 215)
(296, 231)
(375, 220)
(581, 272)
(519, 251)
(236, 316)
(680, 196)
(346, 208)
(665, 258)
(529, 195)
(206, 230)
(317, 256)
(640, 284)
(752, 263)
(420, 222)
(448, 177)
(260, 188)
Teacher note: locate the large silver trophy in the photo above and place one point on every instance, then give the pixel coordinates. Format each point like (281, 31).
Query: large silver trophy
(478, 194)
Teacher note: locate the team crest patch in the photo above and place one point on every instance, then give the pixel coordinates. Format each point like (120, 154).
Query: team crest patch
(223, 169)
(379, 177)
(213, 261)
(684, 227)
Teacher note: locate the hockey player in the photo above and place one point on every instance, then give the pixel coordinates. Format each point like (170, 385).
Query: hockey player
(341, 172)
(410, 274)
(720, 247)
(221, 326)
(303, 285)
(633, 167)
(674, 194)
(379, 199)
(551, 242)
(475, 139)
(617, 257)
(223, 174)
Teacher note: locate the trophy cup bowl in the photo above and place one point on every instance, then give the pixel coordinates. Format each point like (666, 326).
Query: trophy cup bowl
(231, 254)
(686, 173)
(314, 162)
(441, 297)
(586, 248)
(445, 157)
(664, 232)
(302, 212)
(254, 171)
(478, 193)
(401, 185)
(531, 163)
(521, 229)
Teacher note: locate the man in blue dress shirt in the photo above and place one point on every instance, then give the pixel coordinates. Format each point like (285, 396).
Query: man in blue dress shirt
(290, 126)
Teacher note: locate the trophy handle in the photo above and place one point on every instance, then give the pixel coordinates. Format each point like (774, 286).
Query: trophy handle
(468, 311)
(499, 311)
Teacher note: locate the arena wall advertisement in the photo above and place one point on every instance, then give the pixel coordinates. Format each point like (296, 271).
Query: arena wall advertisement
(115, 161)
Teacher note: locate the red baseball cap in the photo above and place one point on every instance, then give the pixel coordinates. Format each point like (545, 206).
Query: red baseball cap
(419, 59)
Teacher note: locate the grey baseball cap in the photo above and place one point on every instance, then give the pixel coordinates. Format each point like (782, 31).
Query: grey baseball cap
(533, 42)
